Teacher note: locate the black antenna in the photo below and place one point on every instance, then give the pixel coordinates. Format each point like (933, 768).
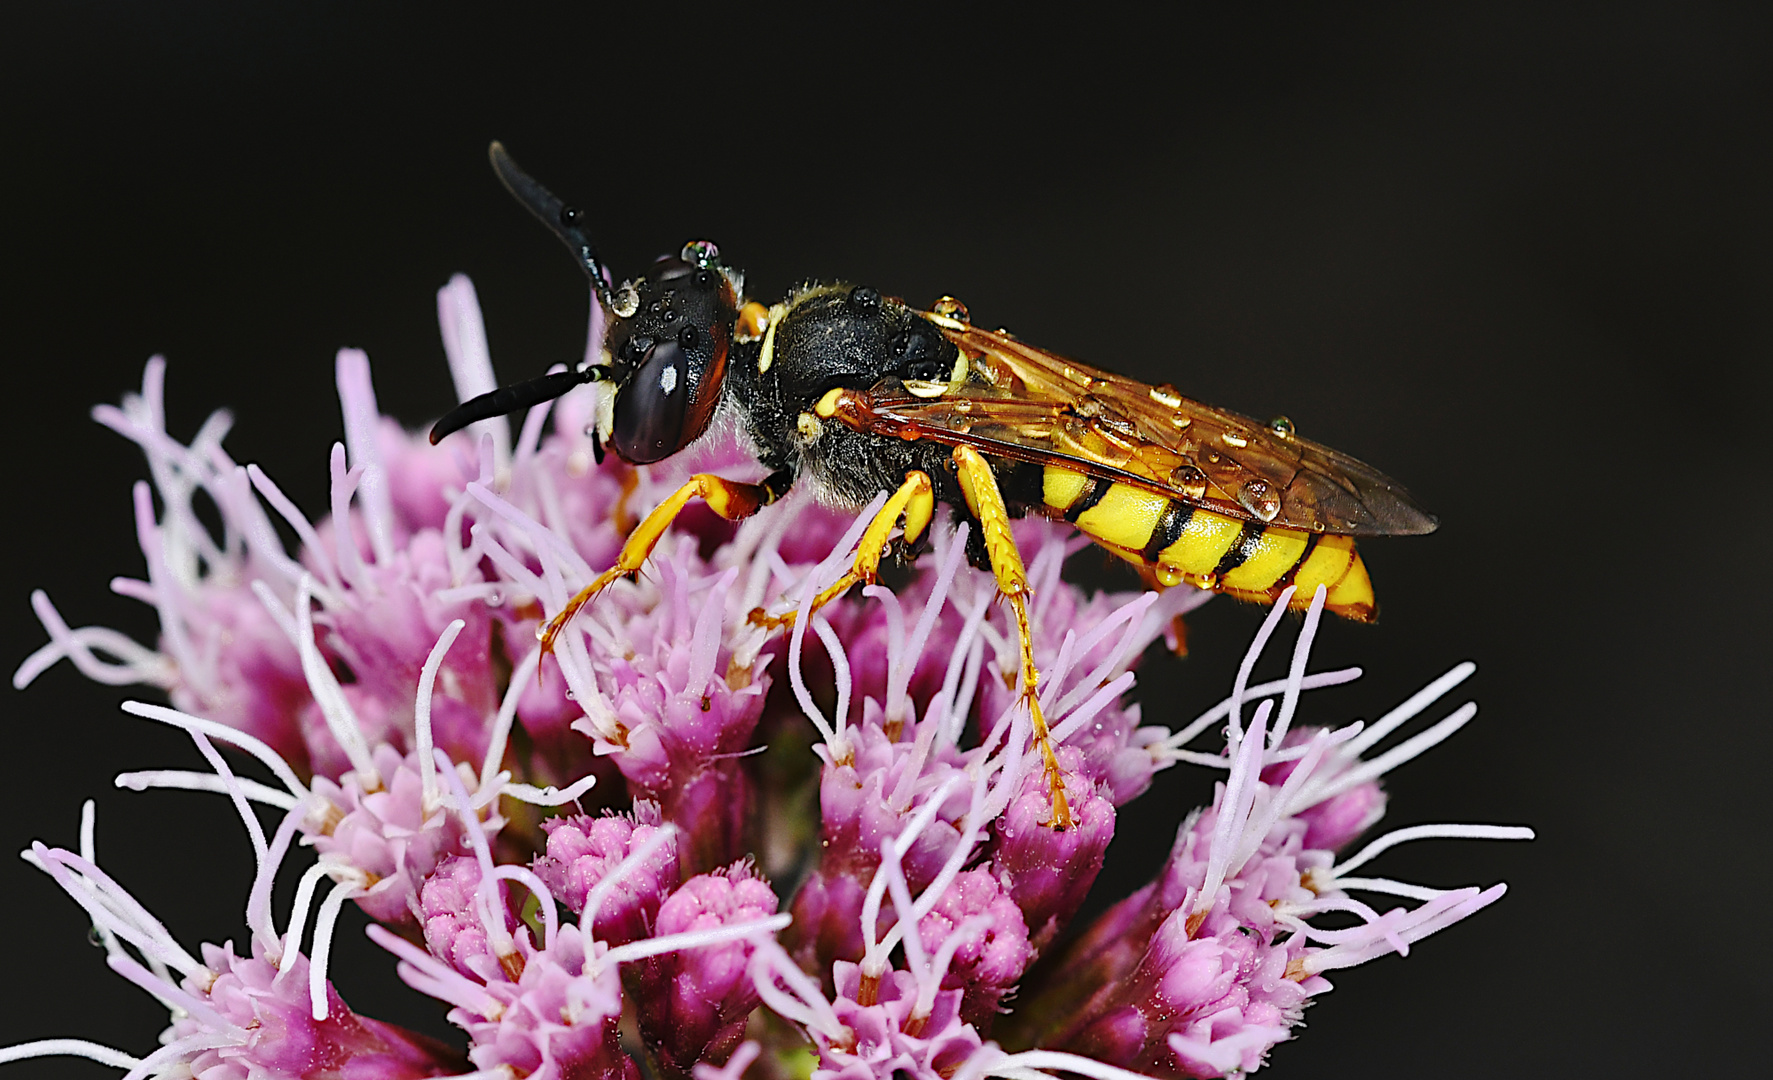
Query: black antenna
(510, 399)
(562, 220)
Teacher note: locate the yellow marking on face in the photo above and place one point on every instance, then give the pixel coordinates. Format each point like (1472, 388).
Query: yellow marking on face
(768, 355)
(1126, 516)
(923, 388)
(827, 405)
(809, 426)
(1061, 487)
(1276, 552)
(1204, 541)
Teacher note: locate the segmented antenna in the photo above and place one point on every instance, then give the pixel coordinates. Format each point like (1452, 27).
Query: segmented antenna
(562, 220)
(510, 399)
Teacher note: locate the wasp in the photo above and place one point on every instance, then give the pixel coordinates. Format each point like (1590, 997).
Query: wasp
(854, 392)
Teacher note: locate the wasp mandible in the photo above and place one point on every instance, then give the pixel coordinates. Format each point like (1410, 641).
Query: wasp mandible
(855, 392)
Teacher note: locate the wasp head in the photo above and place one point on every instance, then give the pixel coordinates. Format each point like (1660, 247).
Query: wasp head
(666, 351)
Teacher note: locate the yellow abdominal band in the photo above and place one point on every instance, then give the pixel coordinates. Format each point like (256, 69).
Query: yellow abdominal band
(1185, 544)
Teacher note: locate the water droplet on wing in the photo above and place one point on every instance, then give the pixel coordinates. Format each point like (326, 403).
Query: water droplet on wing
(1259, 498)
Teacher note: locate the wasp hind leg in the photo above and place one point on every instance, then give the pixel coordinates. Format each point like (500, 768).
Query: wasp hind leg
(915, 502)
(979, 485)
(728, 498)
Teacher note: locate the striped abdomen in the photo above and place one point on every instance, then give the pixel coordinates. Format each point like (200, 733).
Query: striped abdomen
(1186, 544)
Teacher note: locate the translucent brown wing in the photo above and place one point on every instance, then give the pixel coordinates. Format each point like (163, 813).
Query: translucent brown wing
(1016, 401)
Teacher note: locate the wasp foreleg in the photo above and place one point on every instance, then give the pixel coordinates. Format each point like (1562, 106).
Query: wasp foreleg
(979, 484)
(915, 502)
(728, 498)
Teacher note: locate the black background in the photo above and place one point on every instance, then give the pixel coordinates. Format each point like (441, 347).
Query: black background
(1517, 257)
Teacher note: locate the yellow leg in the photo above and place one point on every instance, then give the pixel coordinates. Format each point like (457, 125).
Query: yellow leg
(728, 498)
(979, 486)
(915, 501)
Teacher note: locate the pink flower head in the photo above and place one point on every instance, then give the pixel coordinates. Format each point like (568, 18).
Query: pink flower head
(387, 675)
(1337, 820)
(1087, 647)
(862, 803)
(282, 1036)
(891, 1034)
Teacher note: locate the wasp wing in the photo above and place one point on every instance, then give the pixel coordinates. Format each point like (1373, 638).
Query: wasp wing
(1017, 401)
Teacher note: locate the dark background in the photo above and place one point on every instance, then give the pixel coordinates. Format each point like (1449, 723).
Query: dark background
(1517, 257)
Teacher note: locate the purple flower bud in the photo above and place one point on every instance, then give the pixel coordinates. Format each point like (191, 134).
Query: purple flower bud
(583, 850)
(827, 925)
(859, 804)
(1048, 871)
(993, 948)
(454, 926)
(693, 1004)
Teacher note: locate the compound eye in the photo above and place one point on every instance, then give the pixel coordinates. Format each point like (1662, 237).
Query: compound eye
(651, 409)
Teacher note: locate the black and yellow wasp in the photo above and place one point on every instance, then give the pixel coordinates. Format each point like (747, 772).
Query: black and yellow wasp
(853, 391)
